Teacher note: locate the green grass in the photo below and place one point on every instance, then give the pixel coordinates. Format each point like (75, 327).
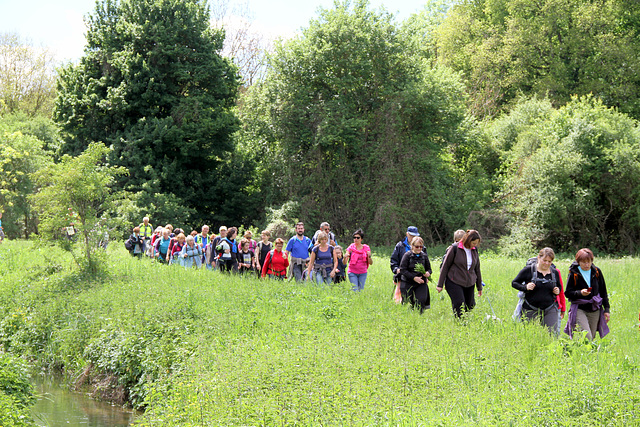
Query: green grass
(199, 348)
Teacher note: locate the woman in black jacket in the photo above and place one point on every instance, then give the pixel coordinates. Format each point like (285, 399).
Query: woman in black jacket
(541, 286)
(136, 243)
(414, 283)
(587, 291)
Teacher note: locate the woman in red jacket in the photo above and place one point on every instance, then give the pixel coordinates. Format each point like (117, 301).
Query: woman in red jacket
(276, 264)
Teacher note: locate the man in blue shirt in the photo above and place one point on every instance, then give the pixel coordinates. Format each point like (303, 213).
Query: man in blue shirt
(299, 246)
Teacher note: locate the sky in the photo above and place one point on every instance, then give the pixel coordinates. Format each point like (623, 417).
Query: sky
(59, 24)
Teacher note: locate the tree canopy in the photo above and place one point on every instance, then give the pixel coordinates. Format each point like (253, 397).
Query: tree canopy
(559, 48)
(570, 175)
(27, 77)
(356, 130)
(153, 86)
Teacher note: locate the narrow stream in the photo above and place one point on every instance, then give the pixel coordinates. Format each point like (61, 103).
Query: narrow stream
(56, 406)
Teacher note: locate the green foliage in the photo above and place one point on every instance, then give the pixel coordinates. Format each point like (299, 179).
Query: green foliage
(27, 77)
(141, 355)
(345, 113)
(21, 154)
(202, 348)
(569, 175)
(153, 86)
(16, 392)
(75, 194)
(557, 48)
(281, 221)
(420, 28)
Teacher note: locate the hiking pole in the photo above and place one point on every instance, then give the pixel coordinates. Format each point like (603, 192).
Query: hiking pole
(489, 300)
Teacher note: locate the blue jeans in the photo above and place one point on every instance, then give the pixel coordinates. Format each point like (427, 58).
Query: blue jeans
(358, 281)
(317, 276)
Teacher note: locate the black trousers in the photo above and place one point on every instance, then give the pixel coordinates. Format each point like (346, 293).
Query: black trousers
(228, 265)
(417, 295)
(461, 298)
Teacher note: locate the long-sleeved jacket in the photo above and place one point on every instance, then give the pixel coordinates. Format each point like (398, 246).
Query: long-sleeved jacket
(454, 267)
(276, 266)
(193, 255)
(175, 253)
(136, 240)
(408, 268)
(542, 296)
(575, 283)
(401, 248)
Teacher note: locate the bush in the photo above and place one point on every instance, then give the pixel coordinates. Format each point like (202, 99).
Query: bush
(569, 175)
(16, 392)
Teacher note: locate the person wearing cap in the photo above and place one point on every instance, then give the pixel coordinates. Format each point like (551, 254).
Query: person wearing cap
(401, 248)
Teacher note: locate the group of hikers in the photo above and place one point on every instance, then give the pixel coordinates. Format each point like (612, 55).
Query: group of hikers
(541, 293)
(541, 296)
(319, 259)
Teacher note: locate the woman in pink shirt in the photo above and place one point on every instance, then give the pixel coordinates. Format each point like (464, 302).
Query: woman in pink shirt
(359, 258)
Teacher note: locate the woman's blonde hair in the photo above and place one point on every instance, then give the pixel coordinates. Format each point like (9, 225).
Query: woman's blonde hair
(417, 240)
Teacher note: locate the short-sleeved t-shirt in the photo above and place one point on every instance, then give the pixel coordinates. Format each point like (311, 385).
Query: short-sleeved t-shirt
(299, 248)
(246, 257)
(163, 248)
(358, 263)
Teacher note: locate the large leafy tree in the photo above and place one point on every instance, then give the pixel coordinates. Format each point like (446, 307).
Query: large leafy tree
(27, 77)
(554, 48)
(356, 131)
(153, 86)
(570, 175)
(21, 154)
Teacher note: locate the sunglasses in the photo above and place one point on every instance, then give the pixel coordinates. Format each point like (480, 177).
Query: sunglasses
(357, 237)
(418, 247)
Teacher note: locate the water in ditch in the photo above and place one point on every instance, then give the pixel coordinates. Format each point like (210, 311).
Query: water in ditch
(57, 406)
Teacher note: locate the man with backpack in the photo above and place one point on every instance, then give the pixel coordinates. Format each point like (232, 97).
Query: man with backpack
(326, 228)
(299, 247)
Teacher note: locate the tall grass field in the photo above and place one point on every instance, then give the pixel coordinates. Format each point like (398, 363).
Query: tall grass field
(198, 348)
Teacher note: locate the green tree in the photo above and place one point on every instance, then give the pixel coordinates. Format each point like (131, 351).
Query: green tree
(570, 175)
(419, 29)
(21, 155)
(153, 86)
(27, 77)
(76, 193)
(559, 48)
(358, 132)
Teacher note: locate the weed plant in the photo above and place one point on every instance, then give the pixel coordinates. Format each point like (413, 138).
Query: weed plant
(202, 348)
